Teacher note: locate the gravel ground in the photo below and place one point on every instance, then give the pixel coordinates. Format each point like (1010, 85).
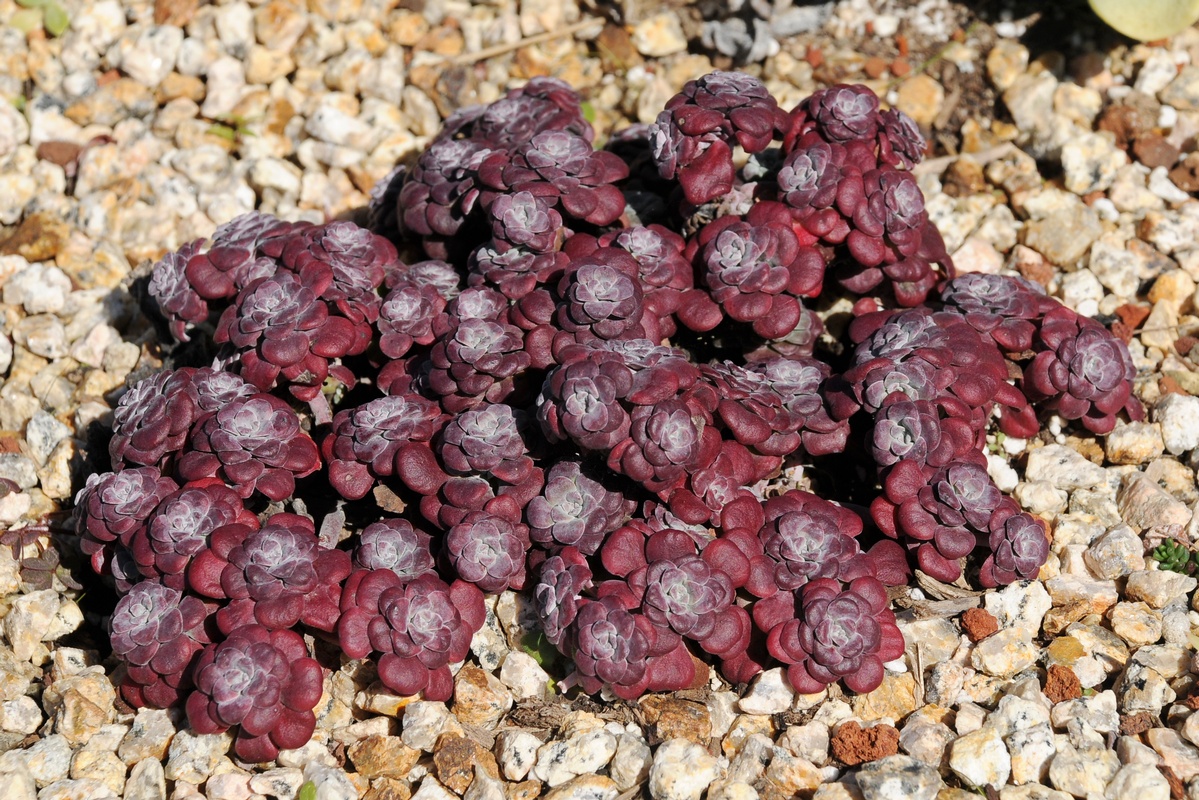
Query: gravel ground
(147, 124)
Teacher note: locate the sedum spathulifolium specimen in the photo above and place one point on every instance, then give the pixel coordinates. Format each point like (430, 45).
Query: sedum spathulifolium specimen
(598, 377)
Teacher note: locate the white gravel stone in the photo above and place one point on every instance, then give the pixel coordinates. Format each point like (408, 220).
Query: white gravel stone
(1138, 782)
(193, 756)
(225, 86)
(523, 675)
(331, 782)
(682, 770)
(29, 620)
(980, 758)
(1082, 772)
(1031, 750)
(424, 721)
(1004, 653)
(631, 762)
(898, 778)
(1021, 605)
(48, 760)
(146, 781)
(768, 694)
(22, 715)
(562, 760)
(1064, 468)
(1116, 553)
(516, 752)
(1090, 162)
(1178, 416)
(150, 57)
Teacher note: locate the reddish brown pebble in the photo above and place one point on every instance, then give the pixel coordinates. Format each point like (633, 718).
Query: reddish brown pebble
(815, 57)
(1062, 684)
(1192, 702)
(1186, 175)
(901, 43)
(852, 744)
(1153, 150)
(1167, 385)
(979, 624)
(1185, 344)
(900, 67)
(1177, 788)
(875, 67)
(1132, 724)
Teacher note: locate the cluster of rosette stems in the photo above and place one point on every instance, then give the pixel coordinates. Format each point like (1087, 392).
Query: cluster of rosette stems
(515, 392)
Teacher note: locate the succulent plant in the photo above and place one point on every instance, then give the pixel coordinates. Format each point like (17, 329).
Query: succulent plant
(1174, 556)
(575, 510)
(284, 333)
(808, 538)
(151, 420)
(253, 444)
(1081, 372)
(180, 527)
(262, 682)
(844, 632)
(489, 551)
(278, 575)
(158, 631)
(115, 506)
(419, 628)
(380, 438)
(560, 166)
(612, 647)
(657, 309)
(395, 545)
(693, 137)
(1019, 544)
(169, 286)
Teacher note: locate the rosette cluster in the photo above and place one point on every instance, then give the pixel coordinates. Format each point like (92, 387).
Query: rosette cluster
(590, 377)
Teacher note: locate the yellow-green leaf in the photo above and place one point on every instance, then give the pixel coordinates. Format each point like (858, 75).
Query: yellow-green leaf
(56, 21)
(1146, 20)
(307, 791)
(26, 20)
(32, 3)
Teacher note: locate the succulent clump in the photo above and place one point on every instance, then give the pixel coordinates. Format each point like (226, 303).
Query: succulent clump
(598, 377)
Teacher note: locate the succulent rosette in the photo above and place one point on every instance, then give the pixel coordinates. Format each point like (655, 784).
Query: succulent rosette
(242, 251)
(284, 333)
(441, 191)
(523, 219)
(900, 143)
(888, 225)
(612, 647)
(419, 627)
(253, 444)
(211, 388)
(383, 437)
(563, 168)
(939, 513)
(561, 581)
(158, 631)
(486, 439)
(575, 510)
(693, 137)
(1081, 371)
(666, 441)
(262, 682)
(406, 318)
(277, 576)
(1004, 308)
(115, 506)
(443, 278)
(1019, 546)
(475, 361)
(685, 594)
(181, 525)
(151, 420)
(488, 550)
(542, 104)
(844, 632)
(395, 545)
(932, 432)
(808, 538)
(580, 403)
(180, 303)
(602, 298)
(841, 113)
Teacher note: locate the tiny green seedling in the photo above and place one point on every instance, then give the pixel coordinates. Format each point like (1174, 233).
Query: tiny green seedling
(45, 14)
(1175, 556)
(307, 791)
